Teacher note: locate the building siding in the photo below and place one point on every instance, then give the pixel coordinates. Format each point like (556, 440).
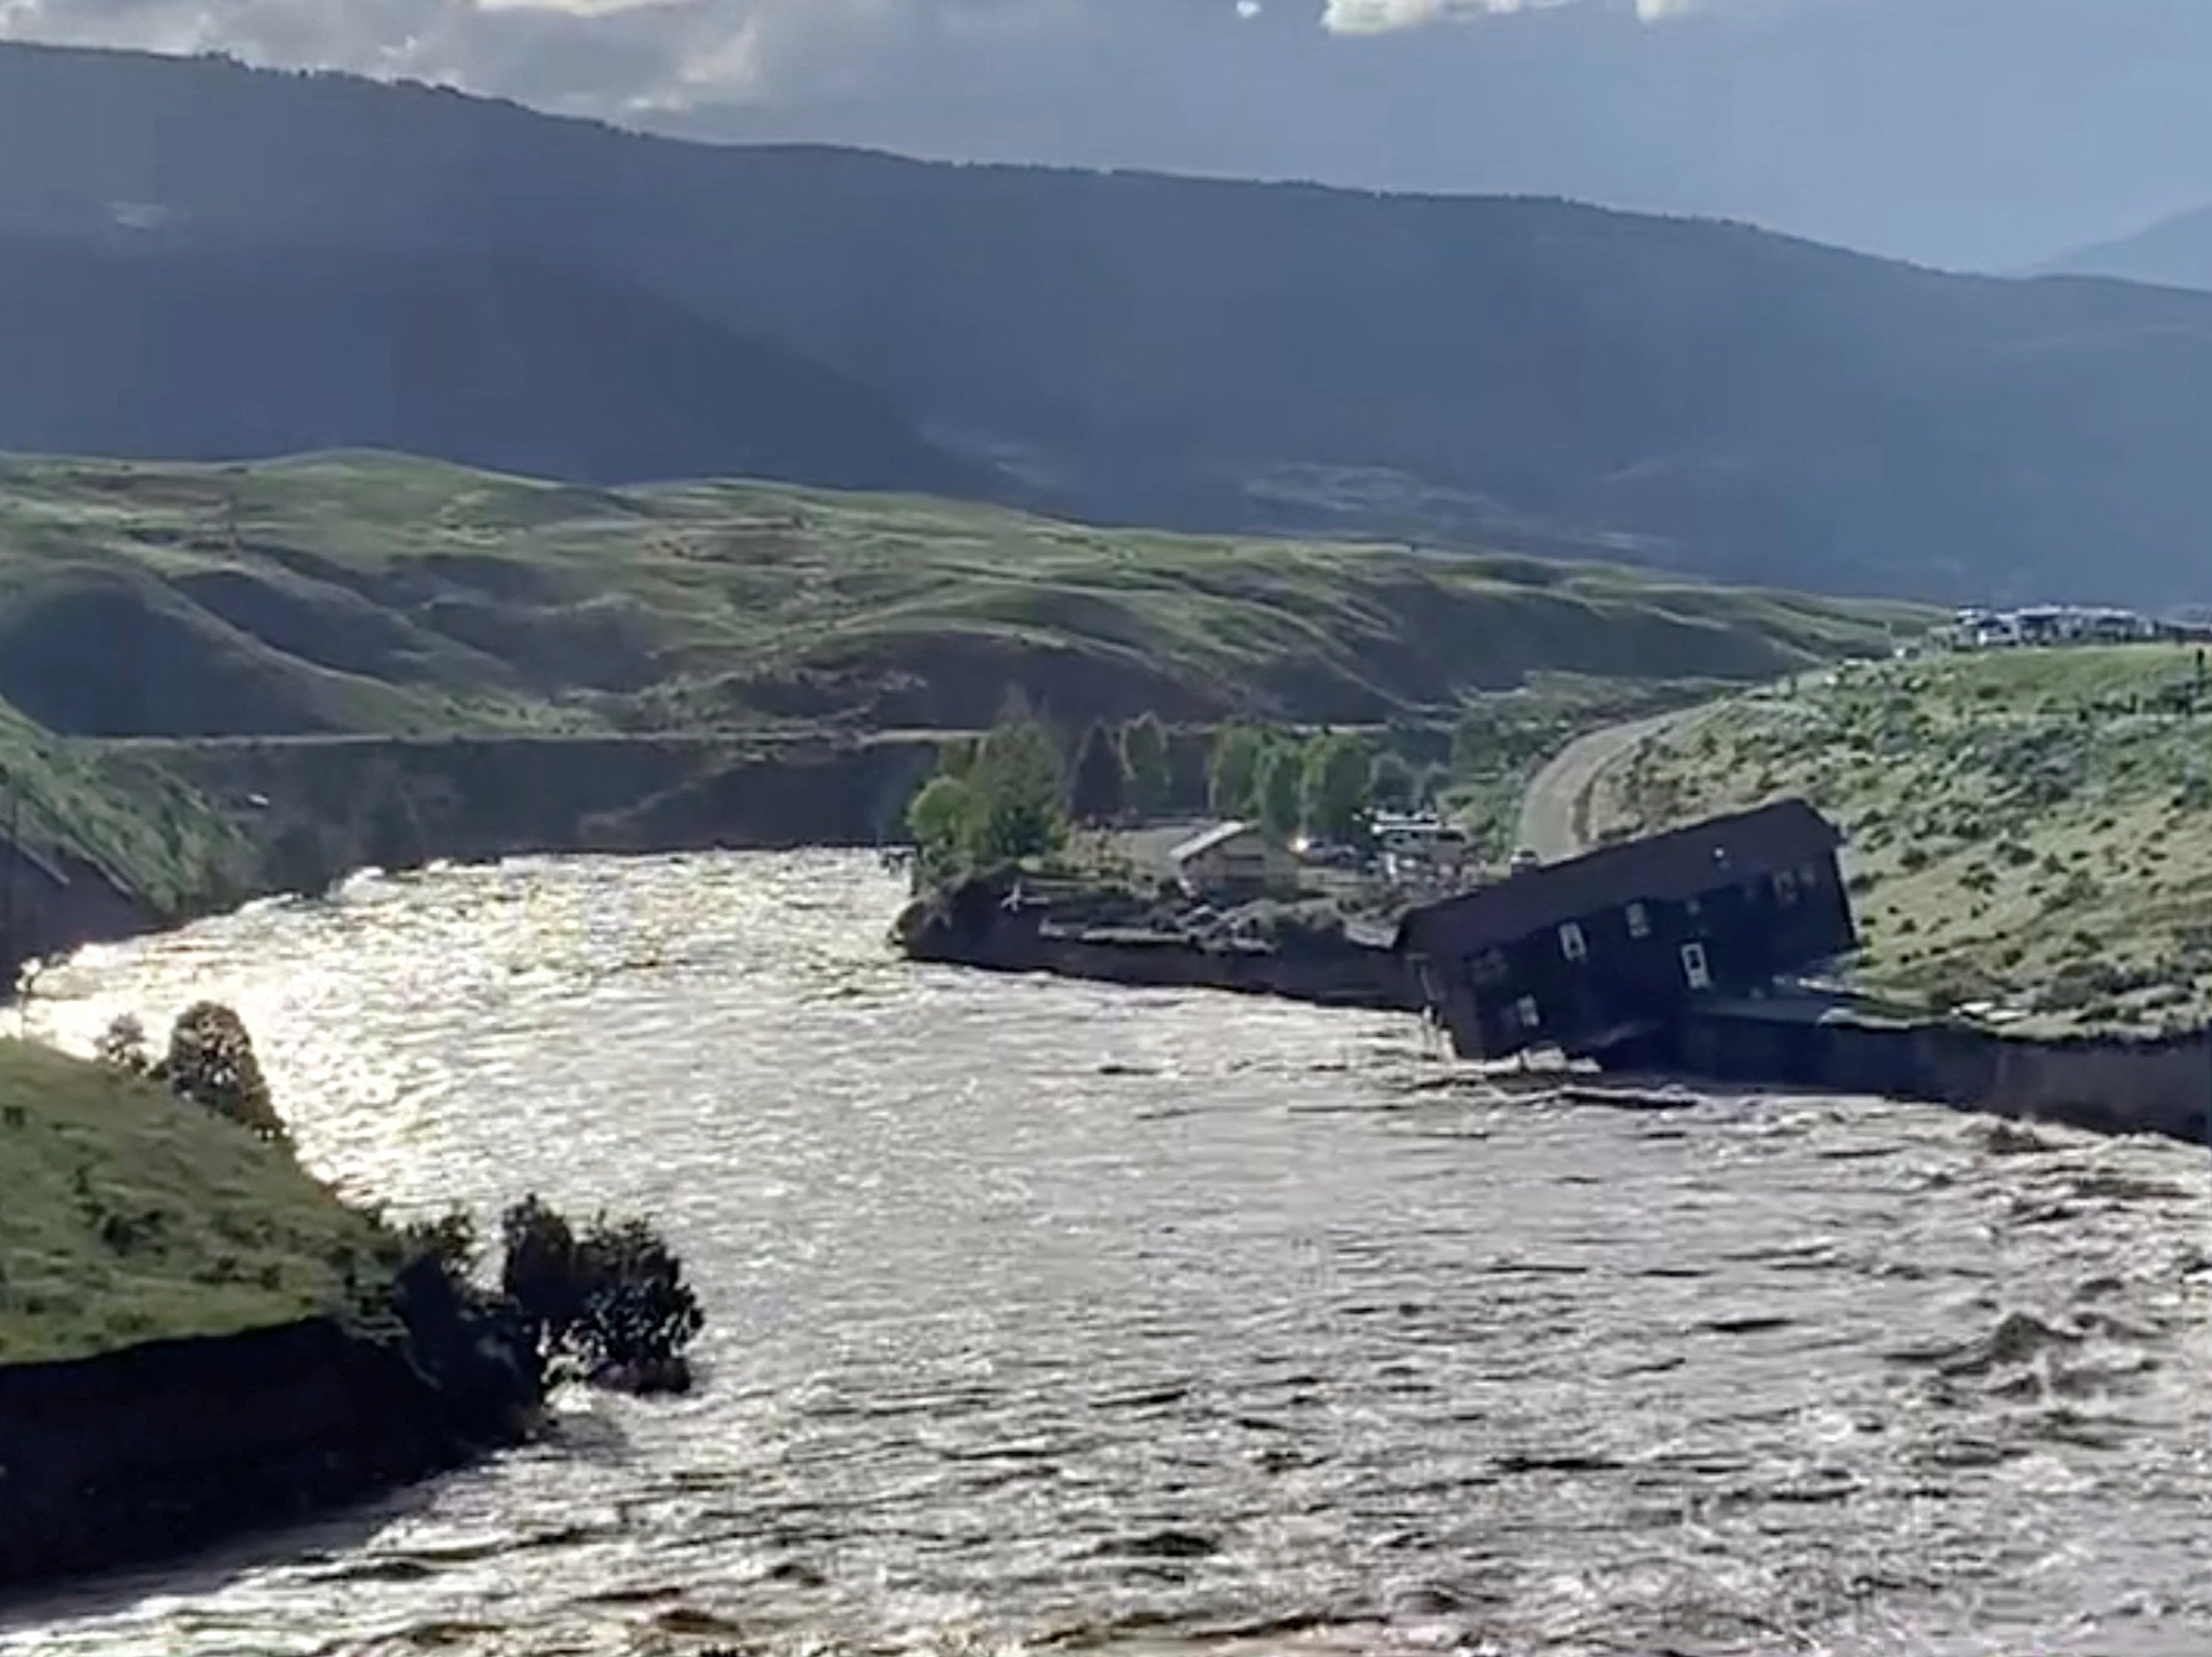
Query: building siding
(1752, 926)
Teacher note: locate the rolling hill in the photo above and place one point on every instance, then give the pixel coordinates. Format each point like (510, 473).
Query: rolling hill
(2027, 828)
(1212, 356)
(364, 593)
(222, 679)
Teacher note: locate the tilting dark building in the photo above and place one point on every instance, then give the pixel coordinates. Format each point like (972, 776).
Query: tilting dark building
(1613, 944)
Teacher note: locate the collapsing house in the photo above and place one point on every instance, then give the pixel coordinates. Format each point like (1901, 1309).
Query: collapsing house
(1615, 945)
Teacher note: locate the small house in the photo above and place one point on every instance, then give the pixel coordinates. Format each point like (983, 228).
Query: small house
(1233, 860)
(1578, 953)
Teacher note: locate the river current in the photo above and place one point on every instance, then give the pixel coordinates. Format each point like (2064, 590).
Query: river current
(1046, 1317)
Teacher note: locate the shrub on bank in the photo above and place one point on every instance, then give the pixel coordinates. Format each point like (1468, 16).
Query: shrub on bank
(608, 1302)
(210, 1062)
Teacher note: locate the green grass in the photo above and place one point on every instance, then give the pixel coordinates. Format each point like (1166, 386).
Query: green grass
(130, 1216)
(1501, 740)
(160, 838)
(356, 592)
(2030, 828)
(352, 595)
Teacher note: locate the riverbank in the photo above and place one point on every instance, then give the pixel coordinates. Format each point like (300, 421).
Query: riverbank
(990, 924)
(271, 816)
(2112, 1084)
(195, 1337)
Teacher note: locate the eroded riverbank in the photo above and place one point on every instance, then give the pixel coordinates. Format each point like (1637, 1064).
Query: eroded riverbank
(1051, 1315)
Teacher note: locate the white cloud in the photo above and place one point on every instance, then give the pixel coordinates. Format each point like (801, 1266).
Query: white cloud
(1387, 16)
(614, 54)
(611, 54)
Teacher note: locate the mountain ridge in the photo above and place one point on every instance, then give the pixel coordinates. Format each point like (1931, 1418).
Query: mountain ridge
(1212, 355)
(2174, 251)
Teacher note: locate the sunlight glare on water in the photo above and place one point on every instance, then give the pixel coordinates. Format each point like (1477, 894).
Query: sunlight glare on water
(1050, 1316)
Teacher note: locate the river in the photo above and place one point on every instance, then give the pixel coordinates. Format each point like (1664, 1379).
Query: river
(1048, 1317)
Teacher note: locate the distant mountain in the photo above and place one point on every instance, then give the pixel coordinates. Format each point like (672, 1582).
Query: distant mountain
(151, 352)
(2174, 252)
(1125, 347)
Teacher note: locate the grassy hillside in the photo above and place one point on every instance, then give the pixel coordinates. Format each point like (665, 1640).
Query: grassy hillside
(2029, 828)
(161, 837)
(130, 1216)
(1209, 355)
(366, 593)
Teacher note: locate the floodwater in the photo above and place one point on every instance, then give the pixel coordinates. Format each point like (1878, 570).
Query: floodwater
(1053, 1318)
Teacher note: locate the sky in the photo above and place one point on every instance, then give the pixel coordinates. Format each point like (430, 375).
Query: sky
(1975, 134)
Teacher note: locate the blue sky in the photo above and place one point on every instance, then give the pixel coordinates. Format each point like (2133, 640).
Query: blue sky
(1972, 133)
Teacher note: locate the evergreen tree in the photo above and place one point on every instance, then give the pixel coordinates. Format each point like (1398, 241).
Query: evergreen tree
(1337, 771)
(1101, 791)
(1145, 756)
(1019, 798)
(1282, 790)
(1391, 783)
(1233, 773)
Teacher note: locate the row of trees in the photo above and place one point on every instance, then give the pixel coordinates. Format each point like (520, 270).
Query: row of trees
(1010, 797)
(1329, 785)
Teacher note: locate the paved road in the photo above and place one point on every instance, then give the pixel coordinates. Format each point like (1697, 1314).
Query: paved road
(1555, 811)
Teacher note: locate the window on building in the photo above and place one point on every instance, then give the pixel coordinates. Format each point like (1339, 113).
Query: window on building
(1572, 943)
(1489, 968)
(1696, 970)
(1691, 908)
(1785, 888)
(1530, 1014)
(1639, 921)
(1809, 876)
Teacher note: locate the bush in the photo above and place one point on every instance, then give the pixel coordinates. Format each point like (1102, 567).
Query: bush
(610, 1302)
(123, 1045)
(449, 1241)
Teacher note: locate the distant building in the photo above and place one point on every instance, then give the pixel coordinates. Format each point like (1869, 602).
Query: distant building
(1233, 860)
(2048, 624)
(1578, 953)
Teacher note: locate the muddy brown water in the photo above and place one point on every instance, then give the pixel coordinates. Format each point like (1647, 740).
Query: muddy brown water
(1052, 1318)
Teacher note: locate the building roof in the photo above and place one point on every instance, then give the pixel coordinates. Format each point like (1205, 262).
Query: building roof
(1661, 868)
(1198, 844)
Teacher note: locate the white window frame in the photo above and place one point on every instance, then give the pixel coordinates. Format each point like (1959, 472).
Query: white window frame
(1639, 921)
(1697, 969)
(1574, 943)
(1530, 1014)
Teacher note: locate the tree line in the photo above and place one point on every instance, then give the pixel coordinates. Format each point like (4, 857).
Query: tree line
(1015, 793)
